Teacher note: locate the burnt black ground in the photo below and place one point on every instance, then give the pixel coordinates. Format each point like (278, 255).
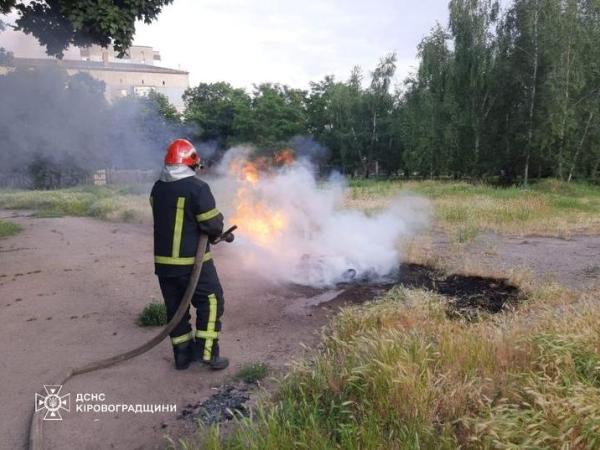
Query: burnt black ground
(228, 402)
(464, 292)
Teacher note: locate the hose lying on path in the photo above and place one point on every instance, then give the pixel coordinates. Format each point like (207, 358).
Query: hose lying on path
(36, 438)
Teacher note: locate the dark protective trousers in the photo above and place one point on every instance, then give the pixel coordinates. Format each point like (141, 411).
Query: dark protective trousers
(209, 304)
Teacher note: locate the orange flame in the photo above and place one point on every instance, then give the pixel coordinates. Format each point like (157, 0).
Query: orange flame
(285, 157)
(258, 221)
(250, 173)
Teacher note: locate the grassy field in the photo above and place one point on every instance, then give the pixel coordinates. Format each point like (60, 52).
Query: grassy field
(551, 207)
(8, 228)
(400, 374)
(123, 204)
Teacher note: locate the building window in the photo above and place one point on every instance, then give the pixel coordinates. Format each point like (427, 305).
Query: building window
(163, 82)
(142, 91)
(142, 81)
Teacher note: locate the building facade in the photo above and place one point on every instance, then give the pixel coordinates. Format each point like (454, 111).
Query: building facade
(134, 74)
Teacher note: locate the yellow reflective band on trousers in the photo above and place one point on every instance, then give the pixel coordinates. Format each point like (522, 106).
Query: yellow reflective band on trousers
(180, 261)
(210, 328)
(178, 229)
(182, 339)
(207, 334)
(208, 215)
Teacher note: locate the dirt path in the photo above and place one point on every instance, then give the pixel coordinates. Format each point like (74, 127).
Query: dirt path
(70, 292)
(572, 262)
(71, 289)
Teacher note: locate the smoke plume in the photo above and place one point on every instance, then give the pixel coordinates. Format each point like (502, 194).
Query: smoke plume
(292, 228)
(53, 122)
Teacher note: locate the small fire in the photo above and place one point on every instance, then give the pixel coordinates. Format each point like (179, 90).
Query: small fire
(258, 221)
(250, 173)
(285, 157)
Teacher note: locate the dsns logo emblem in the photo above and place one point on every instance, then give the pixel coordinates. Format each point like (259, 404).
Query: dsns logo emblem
(52, 402)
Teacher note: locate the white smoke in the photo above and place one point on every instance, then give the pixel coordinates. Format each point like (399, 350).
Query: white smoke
(320, 242)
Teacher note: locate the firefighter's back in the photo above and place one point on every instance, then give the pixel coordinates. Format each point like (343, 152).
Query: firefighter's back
(175, 206)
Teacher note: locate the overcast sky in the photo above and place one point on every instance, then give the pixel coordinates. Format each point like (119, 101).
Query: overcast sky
(287, 41)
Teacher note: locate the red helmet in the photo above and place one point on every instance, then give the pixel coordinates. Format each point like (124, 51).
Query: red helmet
(181, 151)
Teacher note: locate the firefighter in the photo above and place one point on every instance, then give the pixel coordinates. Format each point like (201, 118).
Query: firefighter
(183, 207)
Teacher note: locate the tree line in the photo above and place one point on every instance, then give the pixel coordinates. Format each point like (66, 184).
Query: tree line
(507, 93)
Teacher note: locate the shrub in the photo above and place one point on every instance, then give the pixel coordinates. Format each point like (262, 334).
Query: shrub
(153, 315)
(9, 228)
(252, 372)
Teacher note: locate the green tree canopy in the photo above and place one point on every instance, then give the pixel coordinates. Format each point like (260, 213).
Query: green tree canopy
(60, 23)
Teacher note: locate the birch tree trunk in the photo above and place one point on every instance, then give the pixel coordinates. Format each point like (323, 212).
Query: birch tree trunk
(535, 56)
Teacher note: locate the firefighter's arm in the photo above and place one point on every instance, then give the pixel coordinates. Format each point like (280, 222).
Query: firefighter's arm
(209, 218)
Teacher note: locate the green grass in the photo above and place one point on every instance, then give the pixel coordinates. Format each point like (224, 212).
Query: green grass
(252, 372)
(9, 228)
(400, 374)
(107, 203)
(549, 207)
(153, 315)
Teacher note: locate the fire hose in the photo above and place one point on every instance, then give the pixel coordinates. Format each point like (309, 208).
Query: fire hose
(36, 441)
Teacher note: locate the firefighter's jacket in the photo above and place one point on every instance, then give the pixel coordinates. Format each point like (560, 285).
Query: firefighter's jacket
(182, 209)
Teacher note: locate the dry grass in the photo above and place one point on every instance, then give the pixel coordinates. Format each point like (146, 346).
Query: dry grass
(462, 210)
(400, 374)
(122, 204)
(549, 208)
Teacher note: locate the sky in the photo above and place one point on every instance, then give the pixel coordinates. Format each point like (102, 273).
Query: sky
(287, 41)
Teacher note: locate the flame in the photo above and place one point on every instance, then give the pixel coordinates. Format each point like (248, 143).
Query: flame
(285, 157)
(257, 221)
(250, 173)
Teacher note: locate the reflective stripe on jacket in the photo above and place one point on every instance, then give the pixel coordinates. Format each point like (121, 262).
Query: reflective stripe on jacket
(182, 209)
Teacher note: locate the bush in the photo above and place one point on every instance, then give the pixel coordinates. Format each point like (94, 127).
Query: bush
(9, 228)
(153, 315)
(252, 372)
(48, 174)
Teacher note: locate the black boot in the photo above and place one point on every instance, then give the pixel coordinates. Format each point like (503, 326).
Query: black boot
(215, 362)
(183, 355)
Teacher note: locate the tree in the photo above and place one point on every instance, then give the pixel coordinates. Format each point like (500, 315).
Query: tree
(219, 111)
(3, 52)
(60, 23)
(36, 109)
(279, 113)
(349, 122)
(429, 99)
(57, 129)
(527, 20)
(471, 23)
(380, 104)
(160, 103)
